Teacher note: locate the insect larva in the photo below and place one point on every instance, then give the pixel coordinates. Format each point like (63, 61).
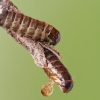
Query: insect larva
(57, 72)
(12, 20)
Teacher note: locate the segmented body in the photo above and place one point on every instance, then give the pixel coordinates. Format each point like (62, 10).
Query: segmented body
(14, 21)
(28, 29)
(57, 72)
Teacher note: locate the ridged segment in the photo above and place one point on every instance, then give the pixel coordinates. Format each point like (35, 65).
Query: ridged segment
(17, 22)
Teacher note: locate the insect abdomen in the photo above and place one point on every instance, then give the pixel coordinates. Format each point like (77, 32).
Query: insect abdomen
(29, 27)
(63, 78)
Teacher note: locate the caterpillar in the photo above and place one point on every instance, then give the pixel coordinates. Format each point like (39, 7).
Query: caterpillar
(57, 72)
(13, 20)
